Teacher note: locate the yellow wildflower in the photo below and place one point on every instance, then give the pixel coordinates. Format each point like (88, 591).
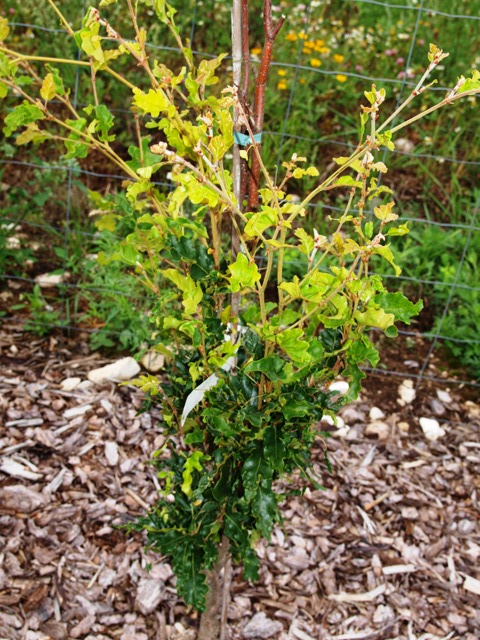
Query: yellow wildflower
(322, 49)
(281, 72)
(256, 51)
(341, 78)
(291, 37)
(303, 36)
(282, 85)
(315, 62)
(338, 58)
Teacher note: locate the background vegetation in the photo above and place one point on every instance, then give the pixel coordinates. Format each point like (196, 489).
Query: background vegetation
(324, 56)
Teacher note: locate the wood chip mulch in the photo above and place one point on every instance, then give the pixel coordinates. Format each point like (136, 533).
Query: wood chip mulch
(390, 550)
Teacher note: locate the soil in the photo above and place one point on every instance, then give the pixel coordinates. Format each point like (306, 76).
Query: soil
(388, 551)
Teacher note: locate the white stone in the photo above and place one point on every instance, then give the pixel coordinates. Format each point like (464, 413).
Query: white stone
(153, 361)
(379, 429)
(111, 453)
(69, 384)
(406, 392)
(444, 396)
(118, 371)
(47, 280)
(376, 414)
(149, 595)
(340, 386)
(404, 145)
(12, 242)
(431, 428)
(261, 627)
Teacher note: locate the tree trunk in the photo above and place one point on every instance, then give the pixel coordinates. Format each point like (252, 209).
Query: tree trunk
(213, 623)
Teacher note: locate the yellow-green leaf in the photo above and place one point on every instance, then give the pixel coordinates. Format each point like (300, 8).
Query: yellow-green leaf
(4, 29)
(47, 90)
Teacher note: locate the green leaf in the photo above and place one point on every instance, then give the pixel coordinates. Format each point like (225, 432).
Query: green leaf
(374, 316)
(4, 29)
(290, 342)
(385, 139)
(152, 103)
(260, 221)
(244, 274)
(265, 509)
(272, 366)
(401, 307)
(76, 148)
(292, 288)
(192, 291)
(250, 474)
(22, 115)
(401, 230)
(274, 447)
(348, 181)
(103, 122)
(48, 88)
(192, 463)
(384, 212)
(387, 254)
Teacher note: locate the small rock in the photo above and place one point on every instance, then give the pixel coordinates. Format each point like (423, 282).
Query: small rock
(437, 407)
(404, 145)
(12, 242)
(431, 428)
(406, 392)
(444, 396)
(69, 384)
(261, 627)
(379, 429)
(149, 595)
(111, 453)
(153, 361)
(410, 513)
(466, 527)
(352, 416)
(47, 280)
(340, 386)
(403, 426)
(376, 414)
(118, 371)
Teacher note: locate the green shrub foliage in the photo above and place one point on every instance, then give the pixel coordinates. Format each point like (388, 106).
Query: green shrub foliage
(250, 354)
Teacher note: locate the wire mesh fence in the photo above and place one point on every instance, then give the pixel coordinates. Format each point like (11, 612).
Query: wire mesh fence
(303, 67)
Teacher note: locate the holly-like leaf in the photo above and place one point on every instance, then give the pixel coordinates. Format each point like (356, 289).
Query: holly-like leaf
(384, 212)
(48, 89)
(244, 274)
(22, 115)
(265, 509)
(401, 307)
(192, 463)
(152, 103)
(75, 147)
(192, 291)
(290, 342)
(103, 121)
(260, 221)
(272, 366)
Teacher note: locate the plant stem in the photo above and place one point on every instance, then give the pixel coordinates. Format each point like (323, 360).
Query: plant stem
(270, 32)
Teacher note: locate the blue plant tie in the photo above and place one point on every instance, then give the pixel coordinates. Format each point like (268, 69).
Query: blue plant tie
(245, 140)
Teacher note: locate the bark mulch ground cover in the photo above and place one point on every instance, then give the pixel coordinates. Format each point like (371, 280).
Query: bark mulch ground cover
(390, 550)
